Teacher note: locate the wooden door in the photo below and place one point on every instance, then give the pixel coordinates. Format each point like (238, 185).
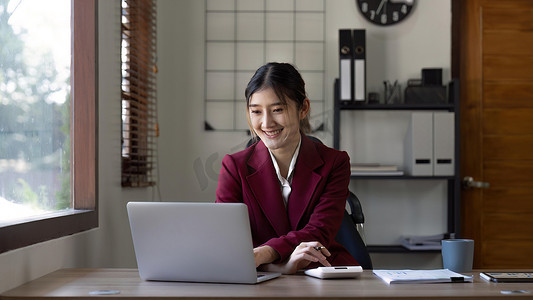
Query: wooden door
(496, 76)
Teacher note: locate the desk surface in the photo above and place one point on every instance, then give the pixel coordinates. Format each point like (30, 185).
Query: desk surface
(78, 283)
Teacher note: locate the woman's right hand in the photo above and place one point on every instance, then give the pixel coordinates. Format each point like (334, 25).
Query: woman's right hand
(303, 255)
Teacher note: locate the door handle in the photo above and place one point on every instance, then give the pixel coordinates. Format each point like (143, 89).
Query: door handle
(469, 182)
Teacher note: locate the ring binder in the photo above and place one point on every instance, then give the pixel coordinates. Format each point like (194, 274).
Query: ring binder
(345, 66)
(359, 57)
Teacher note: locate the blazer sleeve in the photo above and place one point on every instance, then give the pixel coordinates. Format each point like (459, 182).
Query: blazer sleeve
(324, 215)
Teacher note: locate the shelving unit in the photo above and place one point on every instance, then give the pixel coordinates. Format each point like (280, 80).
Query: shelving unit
(453, 182)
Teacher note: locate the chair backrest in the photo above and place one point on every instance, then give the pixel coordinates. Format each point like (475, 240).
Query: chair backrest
(350, 237)
(356, 213)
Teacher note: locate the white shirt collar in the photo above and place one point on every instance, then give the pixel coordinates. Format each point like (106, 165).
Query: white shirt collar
(291, 165)
(286, 182)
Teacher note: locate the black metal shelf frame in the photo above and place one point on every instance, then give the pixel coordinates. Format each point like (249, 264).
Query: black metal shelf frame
(453, 182)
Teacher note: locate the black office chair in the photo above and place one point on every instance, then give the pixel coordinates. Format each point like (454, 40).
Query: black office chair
(350, 234)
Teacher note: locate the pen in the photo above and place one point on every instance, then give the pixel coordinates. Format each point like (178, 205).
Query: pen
(318, 248)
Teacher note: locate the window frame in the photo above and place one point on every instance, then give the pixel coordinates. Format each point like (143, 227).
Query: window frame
(84, 131)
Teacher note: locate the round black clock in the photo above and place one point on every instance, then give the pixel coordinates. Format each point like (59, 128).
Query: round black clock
(385, 12)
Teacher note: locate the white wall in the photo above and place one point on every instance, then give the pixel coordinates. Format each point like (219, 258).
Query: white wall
(393, 53)
(394, 208)
(396, 53)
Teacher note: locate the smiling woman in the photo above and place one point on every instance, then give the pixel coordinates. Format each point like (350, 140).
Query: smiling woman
(43, 123)
(295, 188)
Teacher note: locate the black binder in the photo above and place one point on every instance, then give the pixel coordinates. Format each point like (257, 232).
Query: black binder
(345, 66)
(359, 66)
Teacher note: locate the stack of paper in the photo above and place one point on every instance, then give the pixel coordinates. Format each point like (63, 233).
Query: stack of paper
(427, 242)
(421, 276)
(375, 169)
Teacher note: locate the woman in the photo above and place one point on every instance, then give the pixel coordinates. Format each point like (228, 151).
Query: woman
(295, 188)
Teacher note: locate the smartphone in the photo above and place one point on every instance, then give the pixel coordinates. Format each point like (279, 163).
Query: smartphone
(507, 276)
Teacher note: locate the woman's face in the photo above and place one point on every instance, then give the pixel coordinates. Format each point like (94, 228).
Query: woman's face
(277, 125)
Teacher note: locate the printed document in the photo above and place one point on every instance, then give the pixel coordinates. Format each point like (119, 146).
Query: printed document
(421, 276)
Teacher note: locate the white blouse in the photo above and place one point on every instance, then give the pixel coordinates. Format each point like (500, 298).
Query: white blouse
(285, 183)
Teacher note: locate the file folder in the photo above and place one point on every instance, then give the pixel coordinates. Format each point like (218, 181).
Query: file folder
(443, 143)
(419, 145)
(345, 65)
(359, 58)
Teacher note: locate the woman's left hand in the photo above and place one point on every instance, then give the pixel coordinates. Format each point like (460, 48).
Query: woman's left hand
(264, 255)
(303, 255)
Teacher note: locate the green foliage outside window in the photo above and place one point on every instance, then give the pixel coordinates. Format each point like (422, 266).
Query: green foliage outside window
(34, 121)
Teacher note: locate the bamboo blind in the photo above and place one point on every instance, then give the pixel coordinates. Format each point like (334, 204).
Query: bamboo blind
(139, 109)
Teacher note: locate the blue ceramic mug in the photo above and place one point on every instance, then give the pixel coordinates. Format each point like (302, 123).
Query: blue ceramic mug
(458, 254)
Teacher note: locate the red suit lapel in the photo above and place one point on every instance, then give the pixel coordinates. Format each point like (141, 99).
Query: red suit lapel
(304, 182)
(266, 190)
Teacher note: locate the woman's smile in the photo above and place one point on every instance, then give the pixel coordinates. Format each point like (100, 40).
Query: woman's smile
(272, 133)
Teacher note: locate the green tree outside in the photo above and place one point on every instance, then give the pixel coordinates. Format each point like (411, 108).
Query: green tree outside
(34, 131)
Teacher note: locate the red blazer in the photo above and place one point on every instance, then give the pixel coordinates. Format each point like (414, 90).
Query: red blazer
(315, 207)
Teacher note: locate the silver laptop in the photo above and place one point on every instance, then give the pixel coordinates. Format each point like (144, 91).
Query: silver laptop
(196, 242)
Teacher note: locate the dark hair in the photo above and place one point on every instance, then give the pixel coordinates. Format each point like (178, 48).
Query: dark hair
(286, 82)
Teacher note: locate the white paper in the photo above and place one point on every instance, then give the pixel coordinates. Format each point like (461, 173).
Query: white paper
(421, 276)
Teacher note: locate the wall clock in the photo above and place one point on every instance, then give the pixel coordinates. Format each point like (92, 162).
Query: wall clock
(385, 12)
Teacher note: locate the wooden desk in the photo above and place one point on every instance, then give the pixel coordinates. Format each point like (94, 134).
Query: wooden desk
(78, 283)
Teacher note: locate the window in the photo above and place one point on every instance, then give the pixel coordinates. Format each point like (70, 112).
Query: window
(48, 124)
(139, 111)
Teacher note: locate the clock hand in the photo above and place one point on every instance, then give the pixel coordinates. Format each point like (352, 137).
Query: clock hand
(380, 6)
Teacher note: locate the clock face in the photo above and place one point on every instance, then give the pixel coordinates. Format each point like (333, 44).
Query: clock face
(385, 12)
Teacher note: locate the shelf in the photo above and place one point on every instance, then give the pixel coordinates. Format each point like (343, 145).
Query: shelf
(418, 106)
(453, 182)
(403, 177)
(396, 249)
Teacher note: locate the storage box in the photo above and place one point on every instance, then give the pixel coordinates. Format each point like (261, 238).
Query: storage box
(425, 94)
